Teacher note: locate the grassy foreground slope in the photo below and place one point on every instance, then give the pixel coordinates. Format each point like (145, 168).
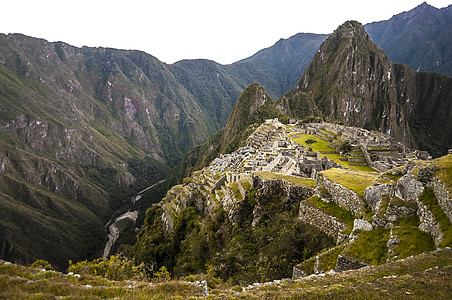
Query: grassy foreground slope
(418, 277)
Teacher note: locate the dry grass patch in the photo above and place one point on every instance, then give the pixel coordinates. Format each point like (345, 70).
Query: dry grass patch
(295, 180)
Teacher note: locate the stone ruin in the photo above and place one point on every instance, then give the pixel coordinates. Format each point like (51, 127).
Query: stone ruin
(378, 150)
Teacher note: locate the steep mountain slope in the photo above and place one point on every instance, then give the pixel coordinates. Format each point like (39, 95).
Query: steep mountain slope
(252, 108)
(420, 38)
(211, 84)
(280, 66)
(82, 129)
(350, 80)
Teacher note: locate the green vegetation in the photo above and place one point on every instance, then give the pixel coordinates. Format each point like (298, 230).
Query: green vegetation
(162, 275)
(19, 282)
(413, 241)
(383, 206)
(41, 264)
(317, 144)
(429, 199)
(443, 169)
(334, 210)
(295, 180)
(369, 247)
(307, 266)
(354, 180)
(328, 260)
(231, 252)
(113, 268)
(421, 277)
(235, 189)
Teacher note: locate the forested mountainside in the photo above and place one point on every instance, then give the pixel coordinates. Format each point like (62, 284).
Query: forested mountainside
(83, 129)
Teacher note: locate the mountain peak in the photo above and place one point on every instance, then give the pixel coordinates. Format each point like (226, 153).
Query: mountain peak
(253, 106)
(350, 81)
(343, 51)
(350, 30)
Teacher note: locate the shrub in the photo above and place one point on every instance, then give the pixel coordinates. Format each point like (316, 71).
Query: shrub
(41, 264)
(162, 275)
(114, 268)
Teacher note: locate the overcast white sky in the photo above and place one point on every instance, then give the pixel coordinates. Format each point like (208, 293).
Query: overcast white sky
(223, 31)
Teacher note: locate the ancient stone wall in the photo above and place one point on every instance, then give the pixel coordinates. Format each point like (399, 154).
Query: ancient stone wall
(428, 223)
(291, 193)
(343, 197)
(442, 195)
(322, 221)
(345, 263)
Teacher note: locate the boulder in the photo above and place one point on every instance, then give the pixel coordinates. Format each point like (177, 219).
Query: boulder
(360, 225)
(373, 195)
(408, 188)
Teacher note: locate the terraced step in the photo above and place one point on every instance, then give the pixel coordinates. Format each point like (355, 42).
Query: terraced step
(356, 159)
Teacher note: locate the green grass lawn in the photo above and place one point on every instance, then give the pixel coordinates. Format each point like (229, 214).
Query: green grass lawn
(369, 247)
(322, 145)
(354, 180)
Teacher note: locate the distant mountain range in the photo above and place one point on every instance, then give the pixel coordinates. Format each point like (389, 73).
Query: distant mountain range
(82, 130)
(419, 38)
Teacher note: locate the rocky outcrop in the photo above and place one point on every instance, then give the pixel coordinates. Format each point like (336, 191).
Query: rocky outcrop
(373, 195)
(408, 188)
(360, 225)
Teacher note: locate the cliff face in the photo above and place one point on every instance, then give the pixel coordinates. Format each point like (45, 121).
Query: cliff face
(351, 80)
